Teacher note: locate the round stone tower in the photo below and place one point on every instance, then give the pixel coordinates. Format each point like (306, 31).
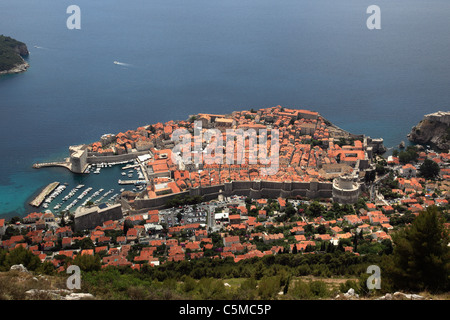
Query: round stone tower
(346, 189)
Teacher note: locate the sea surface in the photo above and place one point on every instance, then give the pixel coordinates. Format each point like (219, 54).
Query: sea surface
(185, 57)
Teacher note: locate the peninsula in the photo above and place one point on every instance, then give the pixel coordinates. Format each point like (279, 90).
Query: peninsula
(312, 152)
(12, 53)
(433, 129)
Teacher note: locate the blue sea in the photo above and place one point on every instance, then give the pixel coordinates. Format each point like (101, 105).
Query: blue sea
(185, 57)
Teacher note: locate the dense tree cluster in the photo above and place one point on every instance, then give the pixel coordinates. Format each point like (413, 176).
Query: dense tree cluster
(408, 155)
(429, 169)
(421, 258)
(9, 58)
(183, 200)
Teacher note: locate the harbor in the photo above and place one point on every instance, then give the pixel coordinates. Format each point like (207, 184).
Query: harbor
(100, 183)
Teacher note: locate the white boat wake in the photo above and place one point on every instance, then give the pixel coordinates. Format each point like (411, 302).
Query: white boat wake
(122, 64)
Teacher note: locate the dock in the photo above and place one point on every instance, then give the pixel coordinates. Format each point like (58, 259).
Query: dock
(44, 193)
(131, 166)
(132, 182)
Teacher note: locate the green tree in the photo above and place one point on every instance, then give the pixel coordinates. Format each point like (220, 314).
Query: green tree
(429, 169)
(369, 176)
(22, 256)
(316, 209)
(321, 229)
(380, 169)
(421, 257)
(46, 268)
(9, 232)
(408, 155)
(319, 289)
(387, 246)
(300, 290)
(127, 225)
(189, 284)
(85, 243)
(210, 288)
(248, 288)
(14, 220)
(269, 287)
(290, 210)
(87, 262)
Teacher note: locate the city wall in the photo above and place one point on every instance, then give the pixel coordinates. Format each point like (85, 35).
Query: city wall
(96, 216)
(253, 189)
(96, 158)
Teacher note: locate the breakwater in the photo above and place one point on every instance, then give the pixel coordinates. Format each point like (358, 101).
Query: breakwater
(36, 202)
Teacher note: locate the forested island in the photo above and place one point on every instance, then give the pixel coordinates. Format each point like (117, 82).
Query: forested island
(12, 53)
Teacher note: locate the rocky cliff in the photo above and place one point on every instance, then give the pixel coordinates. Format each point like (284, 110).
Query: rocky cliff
(433, 129)
(21, 49)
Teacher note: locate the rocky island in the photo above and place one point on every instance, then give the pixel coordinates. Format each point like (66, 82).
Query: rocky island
(12, 53)
(433, 129)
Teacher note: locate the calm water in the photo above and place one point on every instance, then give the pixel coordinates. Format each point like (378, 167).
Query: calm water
(186, 57)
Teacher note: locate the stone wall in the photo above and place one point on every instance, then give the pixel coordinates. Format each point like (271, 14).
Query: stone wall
(440, 116)
(253, 189)
(96, 158)
(157, 203)
(345, 196)
(94, 217)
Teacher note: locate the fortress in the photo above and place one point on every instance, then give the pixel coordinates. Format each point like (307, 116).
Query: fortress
(440, 116)
(253, 189)
(432, 129)
(346, 189)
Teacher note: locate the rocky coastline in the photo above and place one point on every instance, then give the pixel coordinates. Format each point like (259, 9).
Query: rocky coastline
(16, 69)
(433, 129)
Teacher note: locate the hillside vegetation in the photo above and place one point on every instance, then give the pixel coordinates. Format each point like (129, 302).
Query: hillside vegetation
(11, 53)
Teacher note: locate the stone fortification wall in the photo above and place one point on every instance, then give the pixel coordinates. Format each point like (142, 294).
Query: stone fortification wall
(97, 158)
(440, 116)
(253, 189)
(96, 217)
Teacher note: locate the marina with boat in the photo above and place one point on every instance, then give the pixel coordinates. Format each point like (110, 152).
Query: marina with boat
(63, 197)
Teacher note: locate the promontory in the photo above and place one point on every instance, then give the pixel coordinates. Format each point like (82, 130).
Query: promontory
(12, 53)
(434, 129)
